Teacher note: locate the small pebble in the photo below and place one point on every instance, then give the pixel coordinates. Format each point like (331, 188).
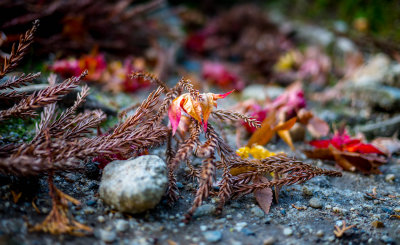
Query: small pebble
(320, 233)
(339, 223)
(91, 202)
(204, 210)
(248, 232)
(336, 210)
(212, 236)
(234, 242)
(390, 178)
(269, 241)
(240, 225)
(377, 224)
(121, 225)
(387, 210)
(307, 192)
(235, 205)
(257, 211)
(287, 231)
(107, 236)
(331, 238)
(203, 227)
(101, 219)
(220, 221)
(387, 239)
(89, 210)
(179, 185)
(315, 203)
(283, 212)
(397, 209)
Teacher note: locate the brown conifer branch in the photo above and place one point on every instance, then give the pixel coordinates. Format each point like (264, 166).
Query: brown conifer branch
(11, 96)
(28, 105)
(82, 123)
(141, 113)
(45, 119)
(152, 78)
(186, 149)
(16, 55)
(232, 116)
(16, 82)
(207, 149)
(207, 176)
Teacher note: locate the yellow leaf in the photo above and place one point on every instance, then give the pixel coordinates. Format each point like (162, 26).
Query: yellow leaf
(285, 135)
(286, 125)
(240, 170)
(191, 107)
(207, 105)
(243, 152)
(264, 134)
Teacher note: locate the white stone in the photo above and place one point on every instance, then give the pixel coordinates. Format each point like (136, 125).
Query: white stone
(134, 185)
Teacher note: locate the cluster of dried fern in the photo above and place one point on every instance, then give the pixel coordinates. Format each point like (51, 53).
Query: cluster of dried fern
(63, 140)
(287, 170)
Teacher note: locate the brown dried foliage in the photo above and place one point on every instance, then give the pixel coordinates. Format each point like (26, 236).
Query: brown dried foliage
(287, 170)
(17, 54)
(63, 139)
(63, 142)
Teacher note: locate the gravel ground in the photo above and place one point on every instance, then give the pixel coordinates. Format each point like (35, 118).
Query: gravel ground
(305, 214)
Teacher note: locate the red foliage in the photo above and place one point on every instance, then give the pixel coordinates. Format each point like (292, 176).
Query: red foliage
(343, 142)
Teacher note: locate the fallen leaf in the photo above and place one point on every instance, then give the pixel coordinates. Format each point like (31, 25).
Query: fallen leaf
(268, 129)
(198, 109)
(317, 127)
(285, 135)
(264, 134)
(349, 153)
(264, 196)
(256, 151)
(285, 125)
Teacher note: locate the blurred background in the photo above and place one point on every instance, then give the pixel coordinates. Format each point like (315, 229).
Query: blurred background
(342, 52)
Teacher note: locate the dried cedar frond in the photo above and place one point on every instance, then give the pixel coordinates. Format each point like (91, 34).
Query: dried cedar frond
(225, 115)
(16, 82)
(16, 55)
(27, 106)
(152, 78)
(11, 96)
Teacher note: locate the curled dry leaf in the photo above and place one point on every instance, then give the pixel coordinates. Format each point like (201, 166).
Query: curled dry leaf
(269, 127)
(316, 126)
(349, 153)
(199, 109)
